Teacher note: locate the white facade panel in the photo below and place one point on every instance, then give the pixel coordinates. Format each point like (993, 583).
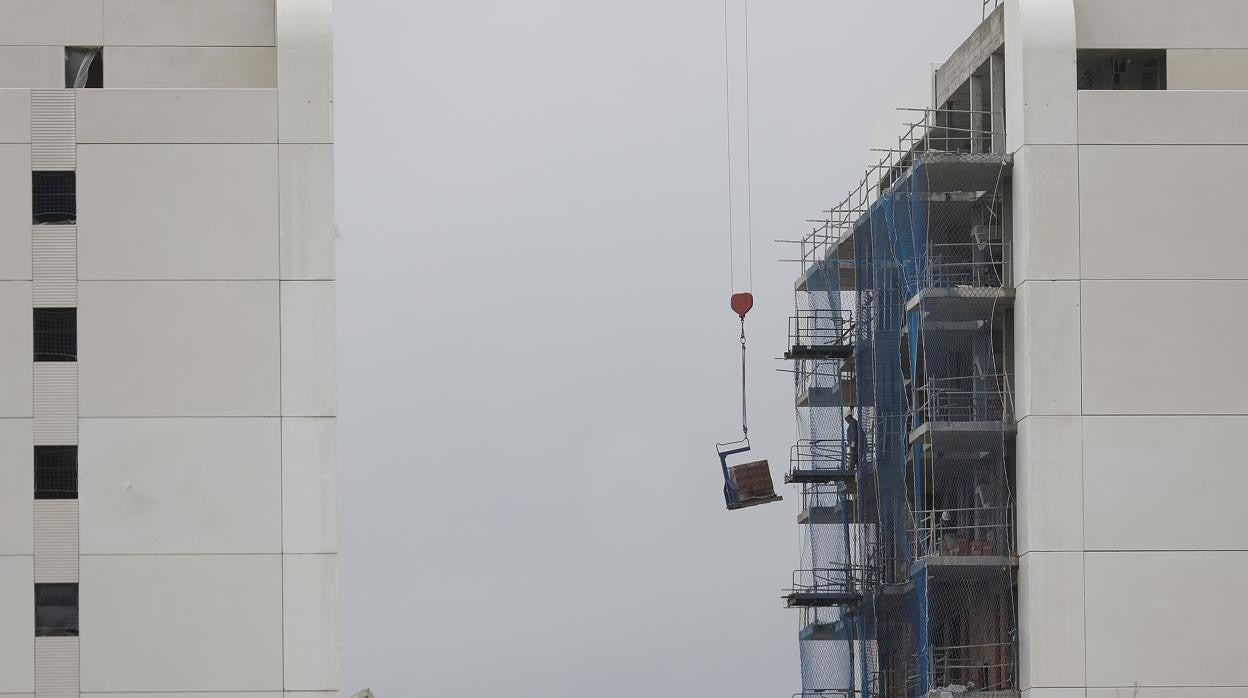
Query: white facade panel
(17, 623)
(1162, 23)
(191, 66)
(56, 540)
(52, 23)
(306, 95)
(177, 116)
(15, 212)
(1164, 347)
(56, 667)
(14, 116)
(16, 487)
(1050, 484)
(1180, 117)
(1047, 337)
(181, 212)
(54, 263)
(1041, 105)
(1046, 213)
(192, 349)
(305, 24)
(310, 596)
(177, 486)
(197, 694)
(56, 403)
(309, 375)
(16, 349)
(309, 482)
(1185, 477)
(32, 66)
(307, 212)
(1050, 614)
(1207, 69)
(209, 623)
(1161, 692)
(189, 22)
(1137, 226)
(53, 134)
(1139, 632)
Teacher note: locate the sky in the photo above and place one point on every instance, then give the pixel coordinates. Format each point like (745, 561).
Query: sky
(536, 354)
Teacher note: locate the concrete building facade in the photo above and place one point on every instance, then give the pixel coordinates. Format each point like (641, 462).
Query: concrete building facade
(1089, 314)
(167, 455)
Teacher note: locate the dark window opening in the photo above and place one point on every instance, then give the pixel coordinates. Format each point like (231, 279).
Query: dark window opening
(56, 472)
(56, 610)
(84, 66)
(1135, 69)
(56, 334)
(55, 197)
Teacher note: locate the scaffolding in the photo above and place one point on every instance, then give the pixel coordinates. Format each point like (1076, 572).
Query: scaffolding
(900, 339)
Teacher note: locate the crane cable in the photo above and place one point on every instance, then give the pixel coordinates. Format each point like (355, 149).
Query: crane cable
(741, 302)
(749, 178)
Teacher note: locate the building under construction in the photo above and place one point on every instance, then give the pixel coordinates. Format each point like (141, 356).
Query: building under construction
(1018, 388)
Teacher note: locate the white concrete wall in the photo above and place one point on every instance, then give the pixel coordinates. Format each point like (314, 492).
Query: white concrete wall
(180, 486)
(32, 67)
(1161, 23)
(52, 23)
(14, 116)
(181, 623)
(177, 116)
(16, 486)
(15, 213)
(203, 402)
(190, 66)
(310, 590)
(1207, 69)
(173, 349)
(189, 22)
(1130, 375)
(307, 211)
(309, 477)
(17, 612)
(194, 212)
(16, 349)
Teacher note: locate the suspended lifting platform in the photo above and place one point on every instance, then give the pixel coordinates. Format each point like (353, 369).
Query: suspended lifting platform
(745, 484)
(823, 588)
(820, 335)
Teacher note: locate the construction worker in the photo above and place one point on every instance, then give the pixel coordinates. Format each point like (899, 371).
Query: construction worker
(853, 436)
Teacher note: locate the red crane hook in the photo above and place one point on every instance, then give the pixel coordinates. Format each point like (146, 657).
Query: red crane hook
(742, 303)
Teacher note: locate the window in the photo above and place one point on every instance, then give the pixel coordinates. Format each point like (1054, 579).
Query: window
(1136, 69)
(56, 472)
(56, 610)
(84, 66)
(56, 334)
(55, 197)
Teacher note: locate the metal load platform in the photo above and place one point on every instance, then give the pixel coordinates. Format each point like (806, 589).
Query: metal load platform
(820, 462)
(823, 588)
(820, 335)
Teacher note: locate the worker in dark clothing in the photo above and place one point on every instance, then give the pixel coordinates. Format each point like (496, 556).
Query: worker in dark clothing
(853, 437)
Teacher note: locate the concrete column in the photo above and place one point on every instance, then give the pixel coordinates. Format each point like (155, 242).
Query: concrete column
(979, 104)
(996, 79)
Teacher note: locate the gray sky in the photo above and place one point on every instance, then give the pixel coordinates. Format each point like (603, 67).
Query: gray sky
(536, 353)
